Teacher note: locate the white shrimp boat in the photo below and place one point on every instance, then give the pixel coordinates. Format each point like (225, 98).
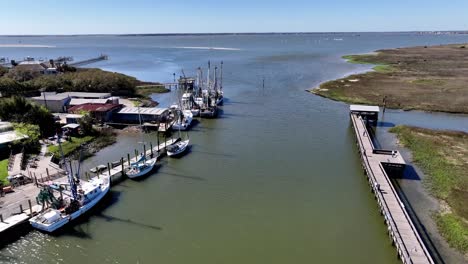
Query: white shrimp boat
(178, 148)
(141, 169)
(89, 193)
(184, 121)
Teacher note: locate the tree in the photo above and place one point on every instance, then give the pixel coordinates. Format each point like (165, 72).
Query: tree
(31, 134)
(9, 86)
(86, 123)
(19, 110)
(3, 71)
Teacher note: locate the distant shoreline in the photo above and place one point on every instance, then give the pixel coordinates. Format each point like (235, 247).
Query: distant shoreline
(19, 45)
(436, 32)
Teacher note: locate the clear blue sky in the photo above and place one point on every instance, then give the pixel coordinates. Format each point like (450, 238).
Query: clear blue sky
(189, 16)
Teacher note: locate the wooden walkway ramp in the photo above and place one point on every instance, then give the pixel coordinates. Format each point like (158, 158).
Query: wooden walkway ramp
(410, 247)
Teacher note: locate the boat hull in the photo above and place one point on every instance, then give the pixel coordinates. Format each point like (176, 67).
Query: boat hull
(149, 167)
(67, 219)
(181, 150)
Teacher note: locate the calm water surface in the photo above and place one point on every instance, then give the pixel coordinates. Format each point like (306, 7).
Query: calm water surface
(275, 179)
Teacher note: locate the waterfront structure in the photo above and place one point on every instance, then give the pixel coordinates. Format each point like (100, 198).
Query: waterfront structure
(137, 115)
(59, 102)
(55, 102)
(100, 112)
(406, 238)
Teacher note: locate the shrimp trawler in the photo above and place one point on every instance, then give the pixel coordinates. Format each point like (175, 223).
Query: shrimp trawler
(81, 197)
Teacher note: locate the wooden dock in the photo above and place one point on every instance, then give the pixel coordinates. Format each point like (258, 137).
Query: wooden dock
(24, 209)
(117, 172)
(376, 162)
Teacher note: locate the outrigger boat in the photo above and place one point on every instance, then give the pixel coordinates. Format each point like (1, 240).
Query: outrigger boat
(184, 120)
(84, 195)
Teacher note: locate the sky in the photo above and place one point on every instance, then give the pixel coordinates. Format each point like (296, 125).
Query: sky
(33, 17)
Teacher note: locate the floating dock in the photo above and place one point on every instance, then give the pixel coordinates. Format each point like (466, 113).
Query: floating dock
(377, 163)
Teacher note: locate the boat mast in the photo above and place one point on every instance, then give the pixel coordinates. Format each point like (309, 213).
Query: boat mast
(71, 181)
(221, 78)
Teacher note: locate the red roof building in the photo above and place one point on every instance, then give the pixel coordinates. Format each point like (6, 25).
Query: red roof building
(101, 112)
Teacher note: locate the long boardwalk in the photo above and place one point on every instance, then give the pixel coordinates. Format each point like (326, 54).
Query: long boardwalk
(408, 243)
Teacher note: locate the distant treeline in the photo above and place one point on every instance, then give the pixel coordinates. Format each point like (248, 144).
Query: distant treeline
(83, 80)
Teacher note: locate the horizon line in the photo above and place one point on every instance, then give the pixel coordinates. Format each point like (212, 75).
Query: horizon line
(232, 33)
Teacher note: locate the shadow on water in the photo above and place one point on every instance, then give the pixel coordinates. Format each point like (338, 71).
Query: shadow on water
(14, 234)
(194, 148)
(183, 176)
(418, 224)
(110, 218)
(146, 176)
(410, 173)
(75, 229)
(385, 124)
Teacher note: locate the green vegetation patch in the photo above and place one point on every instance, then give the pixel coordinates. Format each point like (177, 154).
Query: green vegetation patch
(443, 156)
(454, 230)
(69, 147)
(4, 171)
(360, 59)
(383, 68)
(147, 90)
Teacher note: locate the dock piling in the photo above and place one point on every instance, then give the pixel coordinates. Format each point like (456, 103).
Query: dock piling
(128, 159)
(30, 207)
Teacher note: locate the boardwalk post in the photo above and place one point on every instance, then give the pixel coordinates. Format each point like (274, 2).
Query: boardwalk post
(48, 175)
(1, 218)
(128, 159)
(151, 146)
(136, 154)
(109, 168)
(30, 207)
(158, 140)
(144, 149)
(21, 208)
(122, 164)
(71, 168)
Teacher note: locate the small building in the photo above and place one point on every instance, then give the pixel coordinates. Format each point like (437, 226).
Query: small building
(55, 102)
(80, 101)
(86, 95)
(132, 115)
(60, 102)
(71, 129)
(100, 112)
(367, 112)
(73, 118)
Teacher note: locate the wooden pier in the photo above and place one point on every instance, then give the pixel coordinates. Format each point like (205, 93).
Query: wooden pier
(116, 174)
(25, 209)
(89, 61)
(377, 164)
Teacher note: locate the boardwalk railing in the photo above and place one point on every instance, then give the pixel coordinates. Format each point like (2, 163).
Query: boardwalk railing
(393, 229)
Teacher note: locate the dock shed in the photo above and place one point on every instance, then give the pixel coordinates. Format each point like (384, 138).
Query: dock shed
(367, 112)
(100, 112)
(132, 115)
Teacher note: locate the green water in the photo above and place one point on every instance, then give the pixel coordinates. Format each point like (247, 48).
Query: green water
(276, 179)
